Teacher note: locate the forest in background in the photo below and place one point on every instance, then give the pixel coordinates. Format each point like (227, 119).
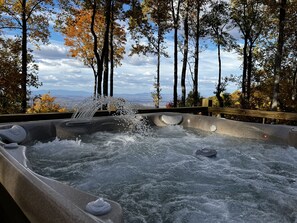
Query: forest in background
(96, 30)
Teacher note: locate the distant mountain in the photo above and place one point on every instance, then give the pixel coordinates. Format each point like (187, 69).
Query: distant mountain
(70, 99)
(63, 93)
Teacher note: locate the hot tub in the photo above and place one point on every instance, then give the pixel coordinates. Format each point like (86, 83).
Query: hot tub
(43, 199)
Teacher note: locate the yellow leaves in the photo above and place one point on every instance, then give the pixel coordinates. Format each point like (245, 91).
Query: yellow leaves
(235, 96)
(45, 104)
(147, 7)
(2, 2)
(62, 110)
(47, 98)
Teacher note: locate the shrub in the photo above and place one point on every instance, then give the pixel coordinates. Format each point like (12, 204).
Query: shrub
(45, 103)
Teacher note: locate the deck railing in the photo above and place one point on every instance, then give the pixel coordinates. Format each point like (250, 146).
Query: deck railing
(273, 115)
(65, 115)
(287, 116)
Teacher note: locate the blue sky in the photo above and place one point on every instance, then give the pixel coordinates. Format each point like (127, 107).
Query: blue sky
(136, 75)
(58, 71)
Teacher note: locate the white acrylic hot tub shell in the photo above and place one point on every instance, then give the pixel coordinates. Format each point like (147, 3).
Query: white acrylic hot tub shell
(45, 200)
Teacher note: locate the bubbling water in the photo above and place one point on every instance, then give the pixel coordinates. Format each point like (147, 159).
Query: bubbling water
(159, 178)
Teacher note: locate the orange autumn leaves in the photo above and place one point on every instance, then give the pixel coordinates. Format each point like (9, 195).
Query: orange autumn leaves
(80, 40)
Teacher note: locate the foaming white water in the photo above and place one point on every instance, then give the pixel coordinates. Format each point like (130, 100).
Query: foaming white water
(88, 107)
(85, 111)
(158, 178)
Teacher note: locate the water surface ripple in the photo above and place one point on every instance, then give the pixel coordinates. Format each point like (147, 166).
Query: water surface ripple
(158, 178)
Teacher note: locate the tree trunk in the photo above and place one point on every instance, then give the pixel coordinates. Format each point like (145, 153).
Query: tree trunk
(278, 55)
(157, 103)
(175, 68)
(244, 74)
(249, 74)
(175, 16)
(95, 85)
(24, 58)
(185, 60)
(111, 51)
(99, 64)
(105, 51)
(196, 65)
(95, 80)
(218, 93)
(105, 75)
(294, 93)
(99, 79)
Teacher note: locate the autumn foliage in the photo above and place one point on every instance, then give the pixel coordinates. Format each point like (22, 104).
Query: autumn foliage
(45, 103)
(11, 93)
(95, 31)
(89, 44)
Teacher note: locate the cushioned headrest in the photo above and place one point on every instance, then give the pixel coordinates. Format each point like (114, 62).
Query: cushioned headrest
(172, 119)
(14, 134)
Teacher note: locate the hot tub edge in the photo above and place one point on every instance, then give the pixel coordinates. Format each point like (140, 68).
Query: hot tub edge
(45, 200)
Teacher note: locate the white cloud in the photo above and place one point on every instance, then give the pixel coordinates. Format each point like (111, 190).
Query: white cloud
(50, 78)
(140, 60)
(51, 51)
(136, 75)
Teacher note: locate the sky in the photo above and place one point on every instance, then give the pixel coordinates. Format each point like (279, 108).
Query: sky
(136, 75)
(59, 71)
